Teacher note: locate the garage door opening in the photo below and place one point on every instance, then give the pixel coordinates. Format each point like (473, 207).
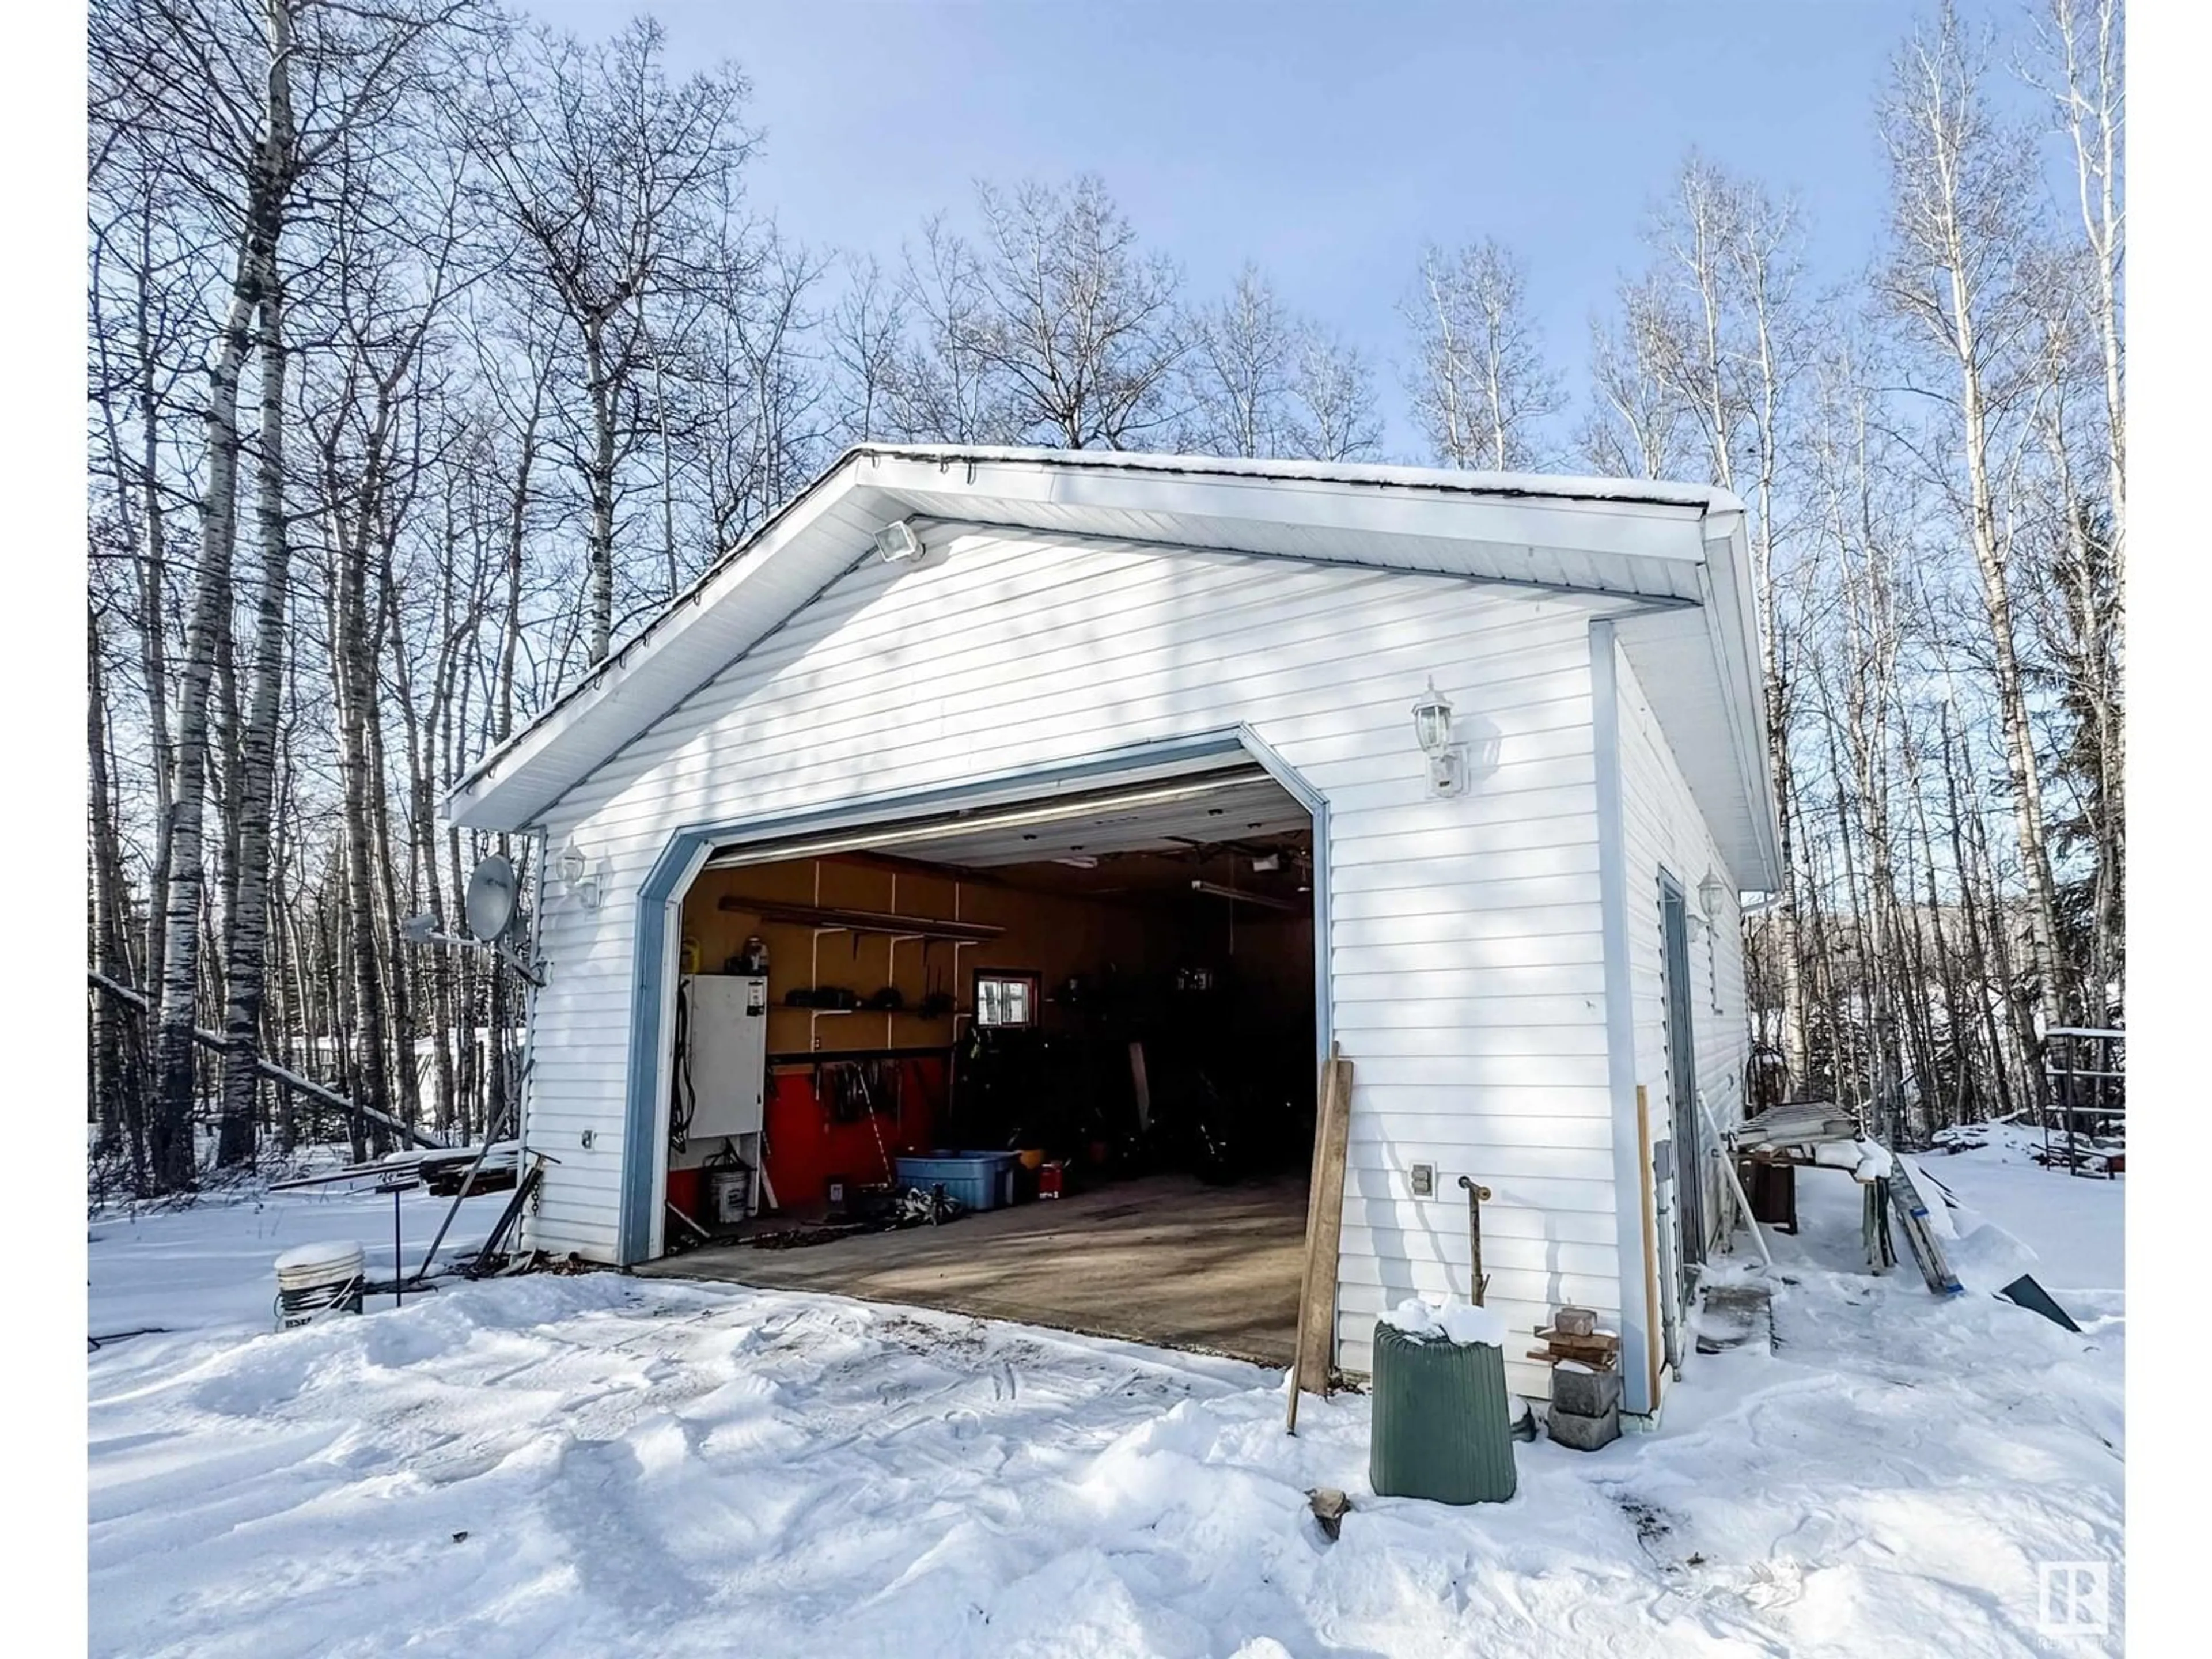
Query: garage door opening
(1052, 1061)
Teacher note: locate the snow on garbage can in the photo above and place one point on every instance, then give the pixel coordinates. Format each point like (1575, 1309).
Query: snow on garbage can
(315, 1280)
(1442, 1421)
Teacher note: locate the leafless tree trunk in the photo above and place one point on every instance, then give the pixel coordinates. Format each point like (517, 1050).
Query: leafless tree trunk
(248, 916)
(115, 1086)
(169, 1137)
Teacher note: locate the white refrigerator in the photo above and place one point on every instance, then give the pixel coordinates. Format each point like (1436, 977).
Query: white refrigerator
(721, 1075)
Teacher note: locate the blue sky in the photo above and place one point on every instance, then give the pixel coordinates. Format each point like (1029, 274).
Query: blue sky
(1326, 143)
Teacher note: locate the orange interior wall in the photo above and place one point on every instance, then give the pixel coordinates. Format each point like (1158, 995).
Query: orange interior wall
(1051, 935)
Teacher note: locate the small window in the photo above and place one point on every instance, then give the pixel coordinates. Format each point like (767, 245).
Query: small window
(1006, 999)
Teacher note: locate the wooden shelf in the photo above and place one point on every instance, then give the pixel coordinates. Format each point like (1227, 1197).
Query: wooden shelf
(830, 920)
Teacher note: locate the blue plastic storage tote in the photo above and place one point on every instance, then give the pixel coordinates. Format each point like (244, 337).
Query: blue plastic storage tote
(978, 1181)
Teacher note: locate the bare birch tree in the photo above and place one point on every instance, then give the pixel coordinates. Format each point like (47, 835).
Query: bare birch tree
(357, 61)
(1080, 323)
(1259, 381)
(1479, 385)
(174, 76)
(607, 173)
(2080, 42)
(1959, 185)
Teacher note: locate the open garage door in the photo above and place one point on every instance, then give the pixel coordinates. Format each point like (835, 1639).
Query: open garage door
(1049, 1060)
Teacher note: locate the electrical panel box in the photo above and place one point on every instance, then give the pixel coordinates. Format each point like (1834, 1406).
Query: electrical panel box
(724, 1065)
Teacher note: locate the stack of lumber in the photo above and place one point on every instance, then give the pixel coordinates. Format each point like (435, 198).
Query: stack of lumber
(1796, 1123)
(1573, 1335)
(444, 1172)
(1585, 1409)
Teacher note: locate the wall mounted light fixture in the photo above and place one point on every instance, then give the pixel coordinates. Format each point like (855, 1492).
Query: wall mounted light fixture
(897, 543)
(1433, 730)
(580, 876)
(1711, 892)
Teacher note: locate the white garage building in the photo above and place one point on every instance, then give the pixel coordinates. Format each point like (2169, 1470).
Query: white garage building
(1014, 719)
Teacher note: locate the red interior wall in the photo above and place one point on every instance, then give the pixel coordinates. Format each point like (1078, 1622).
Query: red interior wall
(805, 1148)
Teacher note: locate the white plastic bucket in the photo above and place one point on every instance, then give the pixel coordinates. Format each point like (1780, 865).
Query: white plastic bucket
(315, 1280)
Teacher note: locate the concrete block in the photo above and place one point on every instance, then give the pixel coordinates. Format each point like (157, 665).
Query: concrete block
(1583, 1433)
(1574, 1321)
(1585, 1394)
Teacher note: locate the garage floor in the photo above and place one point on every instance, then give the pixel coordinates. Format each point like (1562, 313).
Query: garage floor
(1163, 1259)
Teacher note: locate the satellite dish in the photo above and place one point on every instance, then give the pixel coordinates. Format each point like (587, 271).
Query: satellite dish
(491, 898)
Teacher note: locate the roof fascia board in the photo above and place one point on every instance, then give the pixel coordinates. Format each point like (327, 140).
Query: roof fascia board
(1648, 530)
(1545, 486)
(1733, 630)
(473, 794)
(1115, 539)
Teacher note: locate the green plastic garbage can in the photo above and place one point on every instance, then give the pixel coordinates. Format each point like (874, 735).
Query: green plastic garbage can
(1441, 1424)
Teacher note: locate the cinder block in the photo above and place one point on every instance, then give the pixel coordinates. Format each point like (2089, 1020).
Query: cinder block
(1585, 1394)
(1583, 1433)
(1574, 1321)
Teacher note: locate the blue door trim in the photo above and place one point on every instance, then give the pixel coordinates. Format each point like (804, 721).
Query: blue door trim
(659, 898)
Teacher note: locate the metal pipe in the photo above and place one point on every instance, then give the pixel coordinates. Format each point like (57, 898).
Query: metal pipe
(534, 976)
(1476, 1197)
(1736, 1180)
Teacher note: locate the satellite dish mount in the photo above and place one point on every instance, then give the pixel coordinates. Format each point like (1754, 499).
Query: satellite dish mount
(491, 908)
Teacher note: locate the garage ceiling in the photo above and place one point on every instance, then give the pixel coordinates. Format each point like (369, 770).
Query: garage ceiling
(1255, 808)
(1153, 837)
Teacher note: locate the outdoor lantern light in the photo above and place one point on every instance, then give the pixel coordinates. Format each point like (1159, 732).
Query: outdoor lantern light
(1711, 892)
(1432, 728)
(579, 877)
(1432, 717)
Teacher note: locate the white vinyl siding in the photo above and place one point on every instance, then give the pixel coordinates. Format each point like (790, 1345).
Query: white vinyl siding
(1465, 950)
(1662, 830)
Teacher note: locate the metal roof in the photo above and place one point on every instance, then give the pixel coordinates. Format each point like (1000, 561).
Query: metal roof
(1672, 556)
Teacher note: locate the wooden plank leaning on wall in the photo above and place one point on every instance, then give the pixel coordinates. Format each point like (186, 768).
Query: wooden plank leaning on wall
(1310, 1371)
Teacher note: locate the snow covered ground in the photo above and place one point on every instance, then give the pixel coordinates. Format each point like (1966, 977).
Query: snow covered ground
(601, 1466)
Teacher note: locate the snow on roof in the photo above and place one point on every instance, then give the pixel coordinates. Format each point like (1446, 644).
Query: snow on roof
(1551, 485)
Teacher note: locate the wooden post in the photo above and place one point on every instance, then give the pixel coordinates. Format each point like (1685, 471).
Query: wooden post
(1324, 1231)
(1654, 1314)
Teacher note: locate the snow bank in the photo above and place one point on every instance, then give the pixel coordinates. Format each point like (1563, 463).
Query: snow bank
(623, 1467)
(1451, 1319)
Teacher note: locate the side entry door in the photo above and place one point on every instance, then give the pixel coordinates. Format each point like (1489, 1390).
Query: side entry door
(1682, 1079)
